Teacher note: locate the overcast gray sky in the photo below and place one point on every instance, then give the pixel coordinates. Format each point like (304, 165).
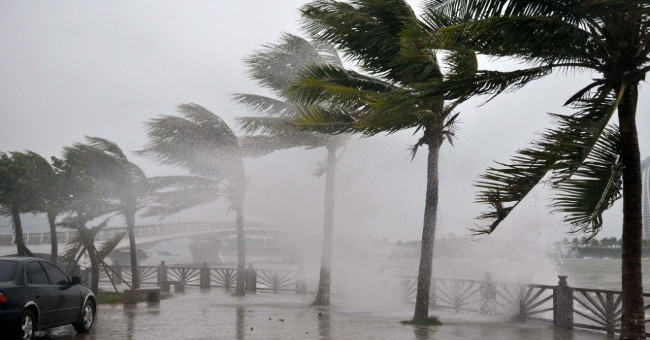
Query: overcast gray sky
(102, 68)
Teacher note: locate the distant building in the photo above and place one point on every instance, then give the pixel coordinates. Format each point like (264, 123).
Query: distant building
(645, 197)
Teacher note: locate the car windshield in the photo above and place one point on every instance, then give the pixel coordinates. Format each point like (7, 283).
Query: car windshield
(7, 270)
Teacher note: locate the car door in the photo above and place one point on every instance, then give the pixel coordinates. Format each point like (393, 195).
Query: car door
(43, 293)
(70, 302)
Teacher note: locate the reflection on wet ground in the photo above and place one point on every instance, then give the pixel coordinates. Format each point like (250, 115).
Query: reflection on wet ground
(214, 314)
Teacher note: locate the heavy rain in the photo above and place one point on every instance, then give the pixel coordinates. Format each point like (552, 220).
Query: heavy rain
(277, 172)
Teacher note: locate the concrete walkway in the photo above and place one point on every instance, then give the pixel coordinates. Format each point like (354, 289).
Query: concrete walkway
(214, 314)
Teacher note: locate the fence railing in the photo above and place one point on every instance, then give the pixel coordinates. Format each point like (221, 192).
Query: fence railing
(560, 305)
(206, 277)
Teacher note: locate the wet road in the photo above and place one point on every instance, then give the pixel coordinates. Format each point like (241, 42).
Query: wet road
(214, 314)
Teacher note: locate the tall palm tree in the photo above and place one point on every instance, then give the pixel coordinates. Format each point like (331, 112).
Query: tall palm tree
(276, 68)
(369, 32)
(584, 159)
(204, 145)
(22, 175)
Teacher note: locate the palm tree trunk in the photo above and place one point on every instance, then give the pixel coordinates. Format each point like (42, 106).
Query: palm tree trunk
(54, 241)
(240, 288)
(325, 281)
(130, 225)
(94, 267)
(428, 232)
(21, 248)
(633, 314)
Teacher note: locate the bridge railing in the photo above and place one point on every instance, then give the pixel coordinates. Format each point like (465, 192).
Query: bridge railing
(108, 233)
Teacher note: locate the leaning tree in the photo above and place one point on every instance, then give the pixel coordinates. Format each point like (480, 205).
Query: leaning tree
(585, 158)
(204, 145)
(370, 33)
(22, 178)
(276, 68)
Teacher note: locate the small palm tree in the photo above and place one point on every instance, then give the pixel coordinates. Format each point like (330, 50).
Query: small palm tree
(277, 67)
(587, 160)
(83, 243)
(204, 145)
(370, 32)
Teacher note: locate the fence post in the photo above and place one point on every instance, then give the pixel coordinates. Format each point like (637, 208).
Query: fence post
(488, 291)
(205, 276)
(162, 277)
(301, 281)
(116, 277)
(251, 279)
(563, 304)
(610, 312)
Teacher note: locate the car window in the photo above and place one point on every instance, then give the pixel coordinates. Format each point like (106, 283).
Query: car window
(56, 275)
(7, 269)
(36, 274)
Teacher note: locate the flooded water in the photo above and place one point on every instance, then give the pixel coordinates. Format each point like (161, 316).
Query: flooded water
(214, 314)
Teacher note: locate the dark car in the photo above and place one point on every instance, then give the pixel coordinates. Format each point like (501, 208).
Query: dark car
(35, 294)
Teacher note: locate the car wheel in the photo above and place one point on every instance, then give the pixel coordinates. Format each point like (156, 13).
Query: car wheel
(86, 319)
(27, 325)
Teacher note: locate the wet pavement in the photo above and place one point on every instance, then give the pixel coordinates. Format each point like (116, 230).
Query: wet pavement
(214, 314)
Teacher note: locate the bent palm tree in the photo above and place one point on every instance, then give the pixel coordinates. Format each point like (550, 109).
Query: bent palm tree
(87, 202)
(584, 159)
(204, 145)
(369, 32)
(124, 185)
(277, 67)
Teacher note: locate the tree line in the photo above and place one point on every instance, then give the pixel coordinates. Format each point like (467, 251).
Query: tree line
(412, 72)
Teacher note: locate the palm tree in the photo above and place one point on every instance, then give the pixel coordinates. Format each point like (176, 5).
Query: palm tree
(125, 186)
(54, 199)
(277, 67)
(586, 161)
(87, 203)
(204, 145)
(369, 32)
(22, 175)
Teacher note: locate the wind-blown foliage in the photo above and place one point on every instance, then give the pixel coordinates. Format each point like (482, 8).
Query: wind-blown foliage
(22, 179)
(370, 32)
(123, 184)
(584, 160)
(277, 67)
(204, 145)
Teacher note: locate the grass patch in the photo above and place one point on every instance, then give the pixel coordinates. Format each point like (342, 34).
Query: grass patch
(109, 297)
(430, 321)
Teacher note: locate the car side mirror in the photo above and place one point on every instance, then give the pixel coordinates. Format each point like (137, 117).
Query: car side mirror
(75, 280)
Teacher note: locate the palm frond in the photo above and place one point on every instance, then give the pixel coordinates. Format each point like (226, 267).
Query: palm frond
(265, 105)
(559, 153)
(261, 145)
(276, 66)
(199, 142)
(369, 32)
(594, 188)
(326, 120)
(331, 84)
(107, 247)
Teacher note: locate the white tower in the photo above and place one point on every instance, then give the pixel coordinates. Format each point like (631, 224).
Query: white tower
(645, 199)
